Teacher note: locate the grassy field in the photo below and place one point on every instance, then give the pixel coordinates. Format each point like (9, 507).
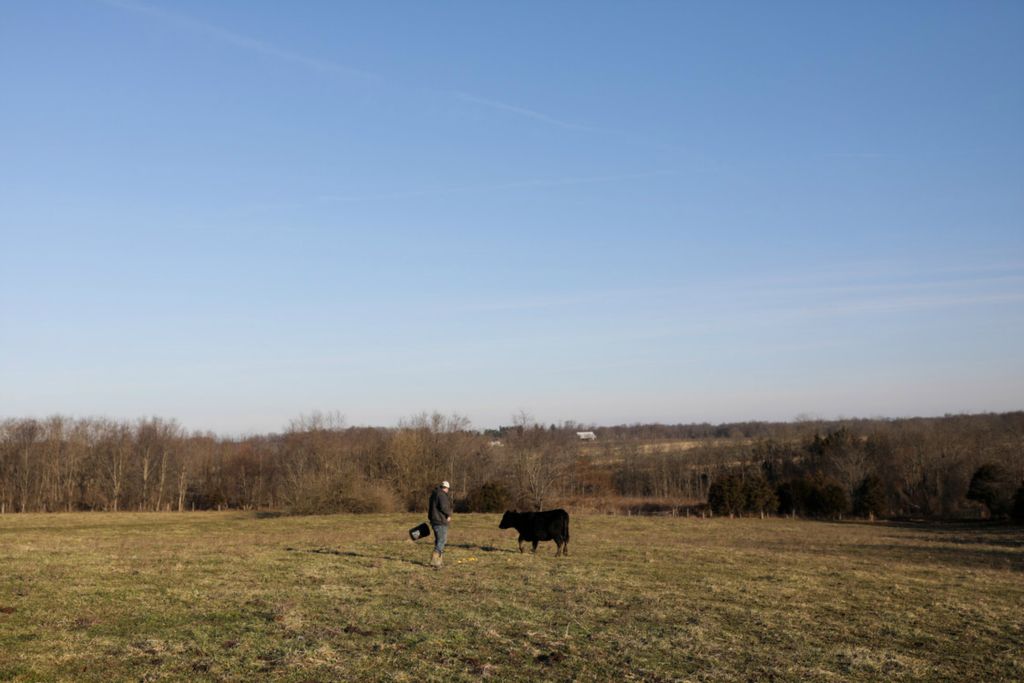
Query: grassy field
(598, 448)
(229, 596)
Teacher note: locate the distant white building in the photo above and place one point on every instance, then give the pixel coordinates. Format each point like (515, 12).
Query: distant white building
(586, 436)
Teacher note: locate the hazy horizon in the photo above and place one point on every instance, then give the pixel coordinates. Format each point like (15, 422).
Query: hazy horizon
(334, 420)
(233, 214)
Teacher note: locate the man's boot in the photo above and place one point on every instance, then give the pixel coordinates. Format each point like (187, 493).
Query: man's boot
(435, 560)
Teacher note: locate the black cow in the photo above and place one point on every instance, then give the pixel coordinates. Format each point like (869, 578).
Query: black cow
(549, 525)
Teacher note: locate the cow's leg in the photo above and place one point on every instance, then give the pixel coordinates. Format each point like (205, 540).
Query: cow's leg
(535, 547)
(520, 544)
(558, 544)
(565, 547)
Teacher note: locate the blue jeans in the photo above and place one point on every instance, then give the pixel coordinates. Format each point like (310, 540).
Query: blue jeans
(440, 536)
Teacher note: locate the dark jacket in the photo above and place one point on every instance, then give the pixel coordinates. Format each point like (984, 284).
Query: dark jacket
(440, 507)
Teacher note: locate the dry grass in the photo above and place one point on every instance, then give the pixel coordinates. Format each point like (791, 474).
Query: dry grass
(598, 448)
(228, 596)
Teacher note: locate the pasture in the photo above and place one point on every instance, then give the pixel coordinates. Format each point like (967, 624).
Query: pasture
(234, 596)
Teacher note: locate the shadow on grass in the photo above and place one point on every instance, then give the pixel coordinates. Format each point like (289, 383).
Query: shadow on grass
(951, 544)
(352, 553)
(481, 548)
(971, 558)
(364, 556)
(966, 533)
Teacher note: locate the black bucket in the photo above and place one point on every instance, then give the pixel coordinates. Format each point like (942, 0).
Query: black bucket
(421, 531)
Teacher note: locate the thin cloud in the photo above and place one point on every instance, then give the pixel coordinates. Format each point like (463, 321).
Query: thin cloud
(768, 304)
(322, 65)
(898, 305)
(534, 303)
(628, 136)
(903, 286)
(528, 113)
(849, 273)
(240, 41)
(858, 155)
(513, 185)
(444, 191)
(890, 289)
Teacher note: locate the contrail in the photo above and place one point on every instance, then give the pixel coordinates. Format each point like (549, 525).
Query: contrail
(528, 113)
(323, 65)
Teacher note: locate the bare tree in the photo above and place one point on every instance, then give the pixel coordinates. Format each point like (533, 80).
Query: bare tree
(541, 460)
(115, 452)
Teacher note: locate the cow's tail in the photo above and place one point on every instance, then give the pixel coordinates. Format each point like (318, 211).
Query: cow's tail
(565, 527)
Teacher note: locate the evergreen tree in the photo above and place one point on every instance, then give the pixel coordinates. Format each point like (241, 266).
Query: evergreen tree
(759, 495)
(992, 486)
(1018, 505)
(869, 498)
(726, 495)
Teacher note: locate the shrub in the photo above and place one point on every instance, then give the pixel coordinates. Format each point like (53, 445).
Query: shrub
(371, 497)
(490, 497)
(795, 496)
(813, 498)
(318, 495)
(831, 501)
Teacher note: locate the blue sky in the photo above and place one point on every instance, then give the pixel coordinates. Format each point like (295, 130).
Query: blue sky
(235, 213)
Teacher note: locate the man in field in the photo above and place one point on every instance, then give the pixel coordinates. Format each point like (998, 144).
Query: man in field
(439, 512)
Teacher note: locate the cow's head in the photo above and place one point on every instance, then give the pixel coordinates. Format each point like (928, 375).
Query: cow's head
(507, 520)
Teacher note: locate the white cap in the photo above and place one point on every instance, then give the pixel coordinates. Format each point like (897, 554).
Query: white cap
(444, 485)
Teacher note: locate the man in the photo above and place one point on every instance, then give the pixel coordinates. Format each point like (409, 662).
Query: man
(439, 512)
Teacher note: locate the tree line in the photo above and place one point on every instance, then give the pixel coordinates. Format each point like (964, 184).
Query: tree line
(316, 465)
(953, 466)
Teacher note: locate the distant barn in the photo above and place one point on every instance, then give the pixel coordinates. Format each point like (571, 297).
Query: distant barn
(586, 436)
